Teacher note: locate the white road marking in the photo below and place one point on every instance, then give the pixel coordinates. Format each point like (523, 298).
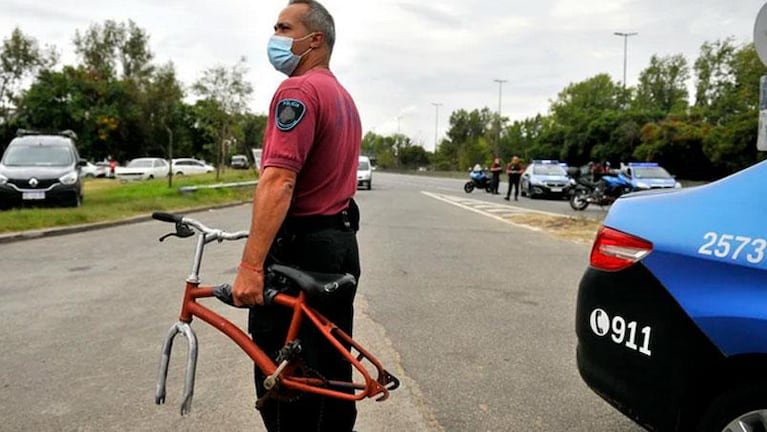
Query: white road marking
(478, 206)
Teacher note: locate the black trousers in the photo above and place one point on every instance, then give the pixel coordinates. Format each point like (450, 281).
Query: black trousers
(496, 181)
(513, 181)
(327, 250)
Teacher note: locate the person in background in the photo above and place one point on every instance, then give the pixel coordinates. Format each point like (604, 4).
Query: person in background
(514, 169)
(495, 170)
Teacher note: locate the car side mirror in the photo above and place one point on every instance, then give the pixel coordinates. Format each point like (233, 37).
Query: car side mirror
(82, 162)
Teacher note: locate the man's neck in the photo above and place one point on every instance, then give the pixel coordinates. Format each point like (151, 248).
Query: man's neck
(318, 62)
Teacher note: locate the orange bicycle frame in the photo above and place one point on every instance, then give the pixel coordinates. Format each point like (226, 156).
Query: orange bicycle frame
(277, 374)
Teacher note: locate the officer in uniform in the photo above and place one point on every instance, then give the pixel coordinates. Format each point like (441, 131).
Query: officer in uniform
(303, 211)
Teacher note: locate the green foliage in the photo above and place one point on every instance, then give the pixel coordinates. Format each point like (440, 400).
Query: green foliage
(663, 85)
(20, 57)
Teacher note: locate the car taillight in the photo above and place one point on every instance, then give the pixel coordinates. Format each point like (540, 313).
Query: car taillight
(614, 250)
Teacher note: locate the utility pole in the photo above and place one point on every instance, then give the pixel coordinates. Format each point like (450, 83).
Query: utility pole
(625, 37)
(498, 130)
(436, 123)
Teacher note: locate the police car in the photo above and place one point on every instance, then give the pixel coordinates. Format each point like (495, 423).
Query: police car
(648, 175)
(545, 177)
(671, 314)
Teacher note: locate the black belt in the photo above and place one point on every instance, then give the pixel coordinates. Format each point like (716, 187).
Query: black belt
(302, 224)
(345, 220)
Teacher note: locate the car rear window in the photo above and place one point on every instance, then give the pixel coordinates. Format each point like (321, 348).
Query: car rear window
(650, 172)
(38, 155)
(552, 170)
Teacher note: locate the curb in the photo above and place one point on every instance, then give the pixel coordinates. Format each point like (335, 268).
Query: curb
(56, 231)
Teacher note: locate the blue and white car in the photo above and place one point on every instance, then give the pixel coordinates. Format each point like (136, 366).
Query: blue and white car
(545, 178)
(648, 175)
(671, 314)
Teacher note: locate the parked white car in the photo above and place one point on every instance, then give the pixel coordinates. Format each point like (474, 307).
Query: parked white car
(189, 166)
(89, 170)
(365, 173)
(143, 169)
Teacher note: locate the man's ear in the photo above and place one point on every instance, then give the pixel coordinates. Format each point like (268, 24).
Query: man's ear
(317, 40)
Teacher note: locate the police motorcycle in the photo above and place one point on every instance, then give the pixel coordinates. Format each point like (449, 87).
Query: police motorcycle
(602, 192)
(479, 179)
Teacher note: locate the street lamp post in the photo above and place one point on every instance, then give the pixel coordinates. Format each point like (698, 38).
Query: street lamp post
(498, 131)
(436, 122)
(625, 37)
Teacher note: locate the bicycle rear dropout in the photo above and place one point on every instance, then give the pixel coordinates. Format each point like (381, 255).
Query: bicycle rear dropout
(286, 375)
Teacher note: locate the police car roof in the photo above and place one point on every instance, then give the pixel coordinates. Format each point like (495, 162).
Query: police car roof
(643, 164)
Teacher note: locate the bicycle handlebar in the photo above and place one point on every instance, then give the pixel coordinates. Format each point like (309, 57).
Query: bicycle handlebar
(210, 233)
(167, 217)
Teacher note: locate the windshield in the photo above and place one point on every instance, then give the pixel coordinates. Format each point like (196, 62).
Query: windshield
(364, 166)
(140, 163)
(650, 172)
(38, 156)
(550, 170)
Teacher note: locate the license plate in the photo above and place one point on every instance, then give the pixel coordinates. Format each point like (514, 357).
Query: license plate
(33, 195)
(556, 189)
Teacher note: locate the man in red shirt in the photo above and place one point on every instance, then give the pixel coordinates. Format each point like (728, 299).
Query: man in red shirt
(495, 170)
(303, 212)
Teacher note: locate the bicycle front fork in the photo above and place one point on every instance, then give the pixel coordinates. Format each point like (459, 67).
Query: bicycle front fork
(191, 365)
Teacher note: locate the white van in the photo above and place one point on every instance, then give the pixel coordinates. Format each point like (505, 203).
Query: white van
(365, 173)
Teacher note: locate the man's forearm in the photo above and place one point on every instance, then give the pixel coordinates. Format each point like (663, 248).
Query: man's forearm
(271, 202)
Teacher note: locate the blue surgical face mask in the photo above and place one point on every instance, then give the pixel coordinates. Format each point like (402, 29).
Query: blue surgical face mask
(281, 55)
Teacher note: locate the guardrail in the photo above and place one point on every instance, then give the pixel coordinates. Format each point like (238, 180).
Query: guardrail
(191, 189)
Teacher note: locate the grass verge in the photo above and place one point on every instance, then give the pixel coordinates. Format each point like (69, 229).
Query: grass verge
(108, 200)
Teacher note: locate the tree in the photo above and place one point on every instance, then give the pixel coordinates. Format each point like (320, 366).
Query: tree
(663, 85)
(728, 97)
(677, 143)
(20, 58)
(102, 47)
(573, 112)
(228, 93)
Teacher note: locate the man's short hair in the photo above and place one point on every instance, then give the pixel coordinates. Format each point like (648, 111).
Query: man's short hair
(318, 19)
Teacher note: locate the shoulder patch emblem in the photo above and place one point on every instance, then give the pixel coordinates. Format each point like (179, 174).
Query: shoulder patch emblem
(289, 114)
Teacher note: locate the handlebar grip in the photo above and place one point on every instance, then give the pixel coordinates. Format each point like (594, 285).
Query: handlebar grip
(167, 217)
(345, 282)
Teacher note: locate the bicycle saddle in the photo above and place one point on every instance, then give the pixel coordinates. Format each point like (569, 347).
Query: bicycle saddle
(314, 284)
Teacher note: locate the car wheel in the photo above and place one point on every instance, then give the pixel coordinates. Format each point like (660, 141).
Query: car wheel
(370, 185)
(179, 173)
(740, 409)
(76, 201)
(151, 177)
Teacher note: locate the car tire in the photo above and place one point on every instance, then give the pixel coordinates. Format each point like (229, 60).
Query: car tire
(746, 404)
(370, 185)
(151, 177)
(179, 173)
(76, 201)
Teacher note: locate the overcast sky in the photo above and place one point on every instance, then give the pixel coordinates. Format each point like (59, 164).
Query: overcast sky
(400, 57)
